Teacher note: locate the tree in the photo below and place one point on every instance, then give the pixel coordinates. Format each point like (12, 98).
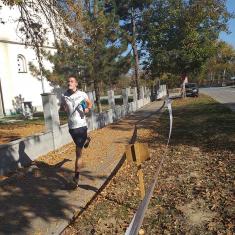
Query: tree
(91, 41)
(95, 46)
(225, 58)
(35, 12)
(130, 13)
(221, 66)
(181, 35)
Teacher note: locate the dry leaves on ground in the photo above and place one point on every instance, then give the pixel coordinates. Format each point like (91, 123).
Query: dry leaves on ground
(194, 194)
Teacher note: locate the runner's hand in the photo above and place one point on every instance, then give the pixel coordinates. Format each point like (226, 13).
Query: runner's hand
(87, 110)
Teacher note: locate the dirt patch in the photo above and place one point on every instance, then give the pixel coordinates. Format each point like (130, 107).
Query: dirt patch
(195, 213)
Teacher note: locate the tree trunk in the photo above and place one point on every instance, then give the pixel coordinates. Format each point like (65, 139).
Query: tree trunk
(213, 78)
(95, 7)
(153, 94)
(96, 83)
(135, 52)
(183, 91)
(224, 74)
(2, 109)
(97, 96)
(40, 67)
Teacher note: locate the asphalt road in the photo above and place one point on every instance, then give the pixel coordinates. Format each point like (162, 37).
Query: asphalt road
(224, 95)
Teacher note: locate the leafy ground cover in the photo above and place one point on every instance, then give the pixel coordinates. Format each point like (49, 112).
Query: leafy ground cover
(16, 127)
(194, 194)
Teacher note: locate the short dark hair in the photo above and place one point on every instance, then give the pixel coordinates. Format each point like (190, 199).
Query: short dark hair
(78, 81)
(73, 76)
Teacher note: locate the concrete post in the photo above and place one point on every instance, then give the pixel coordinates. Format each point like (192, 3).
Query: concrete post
(111, 98)
(166, 91)
(50, 108)
(93, 92)
(125, 96)
(92, 124)
(135, 98)
(142, 92)
(128, 90)
(134, 90)
(148, 92)
(92, 99)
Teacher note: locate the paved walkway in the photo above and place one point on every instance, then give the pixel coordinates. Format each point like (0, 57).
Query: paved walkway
(42, 200)
(224, 95)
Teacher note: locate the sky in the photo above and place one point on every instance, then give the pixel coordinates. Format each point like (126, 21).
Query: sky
(230, 38)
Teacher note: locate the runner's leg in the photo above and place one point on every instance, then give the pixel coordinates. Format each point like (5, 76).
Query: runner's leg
(78, 161)
(88, 140)
(79, 136)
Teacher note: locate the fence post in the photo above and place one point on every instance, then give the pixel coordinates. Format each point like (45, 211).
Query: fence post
(50, 108)
(125, 96)
(135, 98)
(142, 92)
(111, 98)
(134, 90)
(51, 115)
(91, 97)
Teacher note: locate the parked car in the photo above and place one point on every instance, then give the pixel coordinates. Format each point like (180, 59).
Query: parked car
(191, 89)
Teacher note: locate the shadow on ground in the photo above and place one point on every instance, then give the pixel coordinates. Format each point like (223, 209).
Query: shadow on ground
(37, 194)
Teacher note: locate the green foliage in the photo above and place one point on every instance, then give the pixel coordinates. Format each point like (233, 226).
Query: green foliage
(180, 35)
(96, 52)
(219, 67)
(129, 10)
(174, 37)
(12, 2)
(130, 14)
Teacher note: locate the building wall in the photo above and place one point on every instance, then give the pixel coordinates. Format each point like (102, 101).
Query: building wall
(13, 82)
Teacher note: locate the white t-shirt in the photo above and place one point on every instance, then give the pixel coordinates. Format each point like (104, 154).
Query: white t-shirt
(76, 115)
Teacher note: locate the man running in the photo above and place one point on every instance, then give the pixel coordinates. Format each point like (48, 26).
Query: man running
(76, 103)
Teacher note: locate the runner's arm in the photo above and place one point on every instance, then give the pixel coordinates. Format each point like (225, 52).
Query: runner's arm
(89, 105)
(63, 106)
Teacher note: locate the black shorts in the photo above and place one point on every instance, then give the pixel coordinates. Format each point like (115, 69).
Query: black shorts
(79, 136)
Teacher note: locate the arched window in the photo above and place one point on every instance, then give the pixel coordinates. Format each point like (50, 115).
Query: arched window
(21, 63)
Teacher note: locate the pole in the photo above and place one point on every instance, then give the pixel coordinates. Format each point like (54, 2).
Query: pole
(140, 171)
(141, 181)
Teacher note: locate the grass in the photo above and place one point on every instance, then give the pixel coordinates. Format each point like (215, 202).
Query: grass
(203, 122)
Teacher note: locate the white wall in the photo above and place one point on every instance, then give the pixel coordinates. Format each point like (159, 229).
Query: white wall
(15, 83)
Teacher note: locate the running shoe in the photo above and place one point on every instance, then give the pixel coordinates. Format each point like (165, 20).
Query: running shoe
(76, 178)
(88, 140)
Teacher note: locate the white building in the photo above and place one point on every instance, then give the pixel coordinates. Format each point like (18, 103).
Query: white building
(15, 76)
